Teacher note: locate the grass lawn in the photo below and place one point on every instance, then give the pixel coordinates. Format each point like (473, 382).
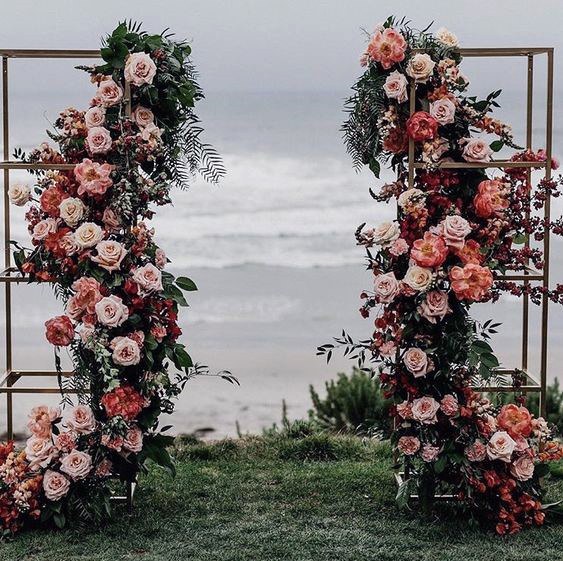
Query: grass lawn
(274, 498)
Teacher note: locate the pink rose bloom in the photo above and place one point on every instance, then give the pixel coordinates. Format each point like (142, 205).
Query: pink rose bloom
(424, 410)
(449, 405)
(490, 198)
(453, 230)
(55, 485)
(386, 233)
(76, 464)
(443, 110)
(142, 116)
(41, 419)
(149, 279)
(472, 282)
(160, 258)
(476, 150)
(133, 440)
(43, 228)
(386, 287)
(387, 47)
(80, 419)
(435, 306)
(65, 441)
(404, 409)
(395, 86)
(429, 453)
(398, 247)
(500, 446)
(139, 69)
(522, 468)
(73, 309)
(95, 117)
(522, 443)
(59, 331)
(476, 452)
(126, 351)
(109, 256)
(387, 349)
(87, 293)
(39, 451)
(416, 362)
(109, 93)
(104, 468)
(158, 331)
(69, 244)
(86, 333)
(430, 251)
(98, 140)
(94, 178)
(111, 311)
(111, 221)
(115, 443)
(408, 445)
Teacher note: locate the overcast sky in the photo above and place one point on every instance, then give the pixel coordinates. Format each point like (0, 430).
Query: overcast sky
(278, 45)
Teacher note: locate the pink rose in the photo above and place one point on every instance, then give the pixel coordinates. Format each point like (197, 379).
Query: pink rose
(435, 306)
(429, 453)
(453, 230)
(109, 93)
(476, 452)
(39, 451)
(104, 468)
(41, 419)
(133, 440)
(43, 228)
(476, 150)
(76, 464)
(449, 405)
(398, 247)
(111, 311)
(65, 441)
(94, 178)
(55, 485)
(59, 331)
(87, 293)
(95, 117)
(69, 244)
(443, 110)
(500, 446)
(109, 256)
(386, 287)
(160, 258)
(149, 278)
(158, 331)
(126, 351)
(522, 468)
(416, 362)
(80, 419)
(387, 349)
(98, 140)
(408, 445)
(395, 86)
(424, 410)
(386, 233)
(404, 409)
(142, 116)
(88, 234)
(139, 69)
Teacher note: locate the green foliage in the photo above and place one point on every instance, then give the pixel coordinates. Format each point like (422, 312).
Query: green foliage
(353, 404)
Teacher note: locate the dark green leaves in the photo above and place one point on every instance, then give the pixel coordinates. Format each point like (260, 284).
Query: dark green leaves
(186, 284)
(154, 448)
(375, 167)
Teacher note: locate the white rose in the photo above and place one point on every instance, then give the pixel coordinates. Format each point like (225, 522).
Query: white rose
(476, 150)
(386, 233)
(420, 67)
(88, 235)
(43, 228)
(19, 194)
(418, 278)
(443, 110)
(447, 38)
(411, 198)
(72, 210)
(396, 86)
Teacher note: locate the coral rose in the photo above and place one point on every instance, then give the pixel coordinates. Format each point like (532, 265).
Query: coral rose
(387, 47)
(424, 410)
(51, 200)
(515, 420)
(500, 446)
(124, 401)
(396, 141)
(490, 198)
(408, 445)
(87, 293)
(55, 485)
(93, 178)
(471, 282)
(139, 69)
(470, 253)
(430, 251)
(422, 126)
(59, 331)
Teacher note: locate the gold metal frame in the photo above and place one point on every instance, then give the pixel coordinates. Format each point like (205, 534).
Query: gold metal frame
(10, 274)
(532, 384)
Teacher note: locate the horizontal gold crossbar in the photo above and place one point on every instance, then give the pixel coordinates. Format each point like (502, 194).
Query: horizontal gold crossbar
(481, 165)
(50, 53)
(498, 51)
(10, 164)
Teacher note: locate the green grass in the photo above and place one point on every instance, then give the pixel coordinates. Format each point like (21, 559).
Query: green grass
(276, 498)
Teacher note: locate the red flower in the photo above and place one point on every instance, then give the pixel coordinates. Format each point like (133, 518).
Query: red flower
(51, 199)
(125, 401)
(516, 421)
(397, 141)
(422, 126)
(59, 331)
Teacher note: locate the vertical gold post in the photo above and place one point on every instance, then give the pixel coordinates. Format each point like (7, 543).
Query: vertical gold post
(546, 239)
(412, 107)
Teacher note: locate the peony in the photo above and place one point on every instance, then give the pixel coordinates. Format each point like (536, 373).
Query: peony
(41, 419)
(422, 126)
(126, 351)
(76, 464)
(386, 233)
(443, 110)
(435, 306)
(476, 452)
(94, 178)
(142, 116)
(490, 198)
(515, 420)
(148, 277)
(416, 362)
(424, 410)
(453, 230)
(471, 282)
(476, 150)
(124, 401)
(80, 419)
(411, 199)
(98, 140)
(87, 293)
(39, 451)
(522, 468)
(395, 86)
(19, 193)
(408, 445)
(109, 256)
(387, 47)
(420, 67)
(95, 117)
(429, 453)
(43, 228)
(386, 287)
(59, 331)
(51, 199)
(398, 247)
(109, 93)
(72, 210)
(470, 253)
(55, 485)
(500, 446)
(88, 235)
(447, 38)
(430, 251)
(418, 278)
(449, 405)
(133, 440)
(111, 311)
(139, 69)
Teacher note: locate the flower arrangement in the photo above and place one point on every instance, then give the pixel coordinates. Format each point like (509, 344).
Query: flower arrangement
(455, 229)
(138, 137)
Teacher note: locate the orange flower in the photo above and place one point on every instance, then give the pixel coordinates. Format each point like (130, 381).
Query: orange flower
(471, 282)
(430, 251)
(516, 421)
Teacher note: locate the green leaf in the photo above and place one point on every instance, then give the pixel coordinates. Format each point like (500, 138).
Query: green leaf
(403, 494)
(375, 167)
(59, 519)
(481, 347)
(489, 360)
(497, 145)
(520, 238)
(440, 464)
(186, 284)
(181, 358)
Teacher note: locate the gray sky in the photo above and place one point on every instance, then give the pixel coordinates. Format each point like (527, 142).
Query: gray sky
(246, 45)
